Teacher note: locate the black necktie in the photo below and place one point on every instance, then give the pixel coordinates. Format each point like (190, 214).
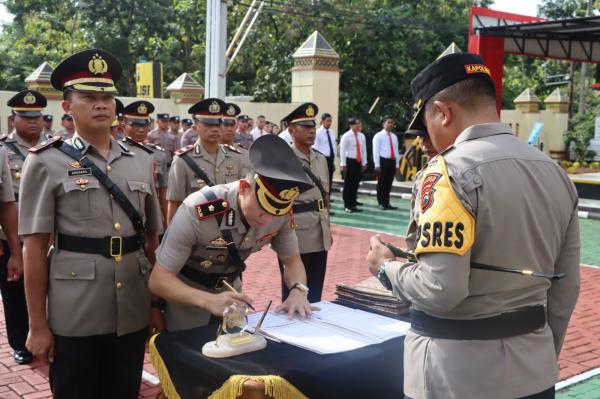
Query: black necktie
(331, 153)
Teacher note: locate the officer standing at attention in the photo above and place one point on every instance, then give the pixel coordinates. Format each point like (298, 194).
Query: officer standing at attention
(68, 128)
(353, 161)
(326, 144)
(174, 131)
(217, 228)
(161, 136)
(228, 136)
(311, 219)
(89, 304)
(243, 137)
(205, 162)
(488, 202)
(386, 158)
(137, 125)
(26, 117)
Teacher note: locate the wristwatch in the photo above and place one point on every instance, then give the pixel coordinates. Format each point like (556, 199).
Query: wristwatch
(301, 287)
(383, 278)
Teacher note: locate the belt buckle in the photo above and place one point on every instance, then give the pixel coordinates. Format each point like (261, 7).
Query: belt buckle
(320, 204)
(118, 240)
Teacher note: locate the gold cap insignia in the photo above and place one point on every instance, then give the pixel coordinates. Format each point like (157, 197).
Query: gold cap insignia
(29, 98)
(310, 111)
(231, 110)
(97, 65)
(219, 241)
(142, 109)
(289, 194)
(214, 107)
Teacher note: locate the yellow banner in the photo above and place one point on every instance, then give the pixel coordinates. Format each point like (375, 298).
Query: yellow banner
(148, 77)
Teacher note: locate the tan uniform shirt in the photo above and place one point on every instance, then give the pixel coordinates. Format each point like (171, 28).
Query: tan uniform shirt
(165, 140)
(525, 209)
(89, 294)
(161, 160)
(245, 154)
(6, 188)
(312, 228)
(223, 167)
(192, 241)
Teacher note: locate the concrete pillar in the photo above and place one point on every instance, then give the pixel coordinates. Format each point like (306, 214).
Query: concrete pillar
(527, 102)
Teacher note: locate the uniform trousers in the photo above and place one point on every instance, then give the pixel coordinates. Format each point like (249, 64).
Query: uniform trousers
(14, 303)
(385, 180)
(98, 367)
(351, 181)
(315, 264)
(330, 168)
(547, 394)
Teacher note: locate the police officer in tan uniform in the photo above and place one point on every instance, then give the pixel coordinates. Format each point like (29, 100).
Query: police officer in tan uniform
(137, 125)
(26, 117)
(490, 206)
(311, 218)
(89, 304)
(205, 162)
(228, 135)
(217, 228)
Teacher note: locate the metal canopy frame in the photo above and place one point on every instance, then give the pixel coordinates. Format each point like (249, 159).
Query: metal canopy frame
(576, 39)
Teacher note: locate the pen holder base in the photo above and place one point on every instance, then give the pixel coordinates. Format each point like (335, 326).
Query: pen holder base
(228, 345)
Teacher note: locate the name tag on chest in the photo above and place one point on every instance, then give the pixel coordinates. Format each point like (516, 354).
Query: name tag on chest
(80, 172)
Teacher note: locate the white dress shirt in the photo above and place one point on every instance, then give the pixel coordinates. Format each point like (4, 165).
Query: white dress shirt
(348, 147)
(322, 145)
(256, 133)
(286, 136)
(381, 147)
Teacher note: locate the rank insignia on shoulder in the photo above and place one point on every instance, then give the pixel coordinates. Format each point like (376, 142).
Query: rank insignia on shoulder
(124, 147)
(232, 148)
(140, 145)
(211, 208)
(267, 237)
(184, 150)
(52, 142)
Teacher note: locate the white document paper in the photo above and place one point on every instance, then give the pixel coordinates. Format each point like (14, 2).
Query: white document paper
(333, 329)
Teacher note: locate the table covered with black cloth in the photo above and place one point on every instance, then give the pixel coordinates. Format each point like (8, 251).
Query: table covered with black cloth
(375, 371)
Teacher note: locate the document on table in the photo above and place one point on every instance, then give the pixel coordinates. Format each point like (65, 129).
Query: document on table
(333, 329)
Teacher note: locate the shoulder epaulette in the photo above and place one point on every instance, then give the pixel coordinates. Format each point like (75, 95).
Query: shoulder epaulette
(184, 150)
(124, 147)
(156, 147)
(211, 208)
(317, 151)
(51, 142)
(231, 148)
(3, 137)
(140, 145)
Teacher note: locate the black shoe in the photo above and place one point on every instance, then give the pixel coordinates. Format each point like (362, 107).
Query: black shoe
(391, 207)
(23, 357)
(349, 210)
(359, 203)
(331, 213)
(383, 207)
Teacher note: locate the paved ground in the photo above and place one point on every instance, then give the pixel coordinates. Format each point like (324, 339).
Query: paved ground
(581, 351)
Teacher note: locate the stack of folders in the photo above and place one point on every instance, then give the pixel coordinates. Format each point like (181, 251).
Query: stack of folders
(332, 329)
(370, 295)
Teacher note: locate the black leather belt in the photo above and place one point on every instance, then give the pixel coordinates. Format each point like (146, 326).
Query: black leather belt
(505, 325)
(314, 206)
(209, 280)
(109, 246)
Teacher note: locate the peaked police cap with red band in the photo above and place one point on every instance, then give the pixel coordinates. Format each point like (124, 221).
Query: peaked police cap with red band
(138, 112)
(442, 73)
(28, 103)
(92, 70)
(209, 111)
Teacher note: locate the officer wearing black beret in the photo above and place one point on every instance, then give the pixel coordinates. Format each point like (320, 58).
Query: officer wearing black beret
(497, 231)
(48, 119)
(162, 135)
(88, 302)
(217, 228)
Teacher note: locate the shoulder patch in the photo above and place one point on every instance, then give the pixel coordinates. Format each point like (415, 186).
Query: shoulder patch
(140, 145)
(232, 148)
(52, 142)
(124, 147)
(3, 137)
(211, 208)
(155, 147)
(184, 150)
(445, 225)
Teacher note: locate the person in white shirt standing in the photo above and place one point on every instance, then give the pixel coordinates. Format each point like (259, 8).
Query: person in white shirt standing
(353, 160)
(286, 136)
(386, 158)
(259, 130)
(325, 143)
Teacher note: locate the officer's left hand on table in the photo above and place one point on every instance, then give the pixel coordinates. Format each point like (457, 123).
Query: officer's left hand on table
(378, 254)
(296, 302)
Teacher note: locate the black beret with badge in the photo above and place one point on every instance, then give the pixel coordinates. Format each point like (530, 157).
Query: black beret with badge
(279, 175)
(303, 115)
(48, 118)
(162, 117)
(442, 73)
(232, 110)
(174, 119)
(138, 112)
(92, 70)
(187, 121)
(66, 117)
(27, 103)
(209, 111)
(243, 118)
(119, 107)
